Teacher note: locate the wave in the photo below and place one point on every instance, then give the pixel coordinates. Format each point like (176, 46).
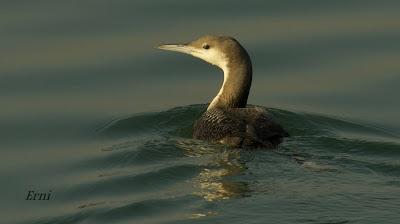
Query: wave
(148, 163)
(178, 122)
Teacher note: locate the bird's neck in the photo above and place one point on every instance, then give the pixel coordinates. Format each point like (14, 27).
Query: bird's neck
(236, 86)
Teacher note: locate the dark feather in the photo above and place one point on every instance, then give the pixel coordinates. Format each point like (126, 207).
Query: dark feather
(240, 127)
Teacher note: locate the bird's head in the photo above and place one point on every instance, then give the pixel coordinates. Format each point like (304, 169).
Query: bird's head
(216, 50)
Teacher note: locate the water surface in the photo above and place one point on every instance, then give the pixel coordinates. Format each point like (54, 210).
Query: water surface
(94, 113)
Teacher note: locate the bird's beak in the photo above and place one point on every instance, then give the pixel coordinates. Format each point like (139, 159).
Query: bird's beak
(183, 48)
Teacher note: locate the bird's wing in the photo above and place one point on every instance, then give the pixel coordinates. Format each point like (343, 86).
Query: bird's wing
(261, 122)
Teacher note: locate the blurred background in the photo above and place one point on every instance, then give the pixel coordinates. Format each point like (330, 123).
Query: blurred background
(65, 63)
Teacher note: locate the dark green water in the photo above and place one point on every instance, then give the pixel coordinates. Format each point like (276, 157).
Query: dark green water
(93, 112)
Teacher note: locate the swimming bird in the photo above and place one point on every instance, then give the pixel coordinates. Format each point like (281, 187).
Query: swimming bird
(228, 119)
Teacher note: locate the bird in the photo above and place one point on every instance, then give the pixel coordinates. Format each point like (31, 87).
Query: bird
(229, 120)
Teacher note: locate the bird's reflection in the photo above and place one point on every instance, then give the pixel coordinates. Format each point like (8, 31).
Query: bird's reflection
(215, 180)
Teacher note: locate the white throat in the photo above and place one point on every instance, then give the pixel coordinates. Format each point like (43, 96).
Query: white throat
(214, 102)
(217, 58)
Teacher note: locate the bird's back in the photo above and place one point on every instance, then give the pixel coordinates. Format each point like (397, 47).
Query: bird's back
(239, 127)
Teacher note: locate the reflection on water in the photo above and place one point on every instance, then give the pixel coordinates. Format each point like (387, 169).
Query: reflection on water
(213, 183)
(213, 186)
(202, 215)
(212, 170)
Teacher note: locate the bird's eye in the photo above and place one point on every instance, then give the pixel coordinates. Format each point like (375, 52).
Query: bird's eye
(206, 46)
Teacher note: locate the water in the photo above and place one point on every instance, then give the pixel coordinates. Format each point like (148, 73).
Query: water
(92, 112)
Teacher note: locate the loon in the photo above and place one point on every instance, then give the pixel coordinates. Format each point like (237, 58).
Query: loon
(228, 119)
